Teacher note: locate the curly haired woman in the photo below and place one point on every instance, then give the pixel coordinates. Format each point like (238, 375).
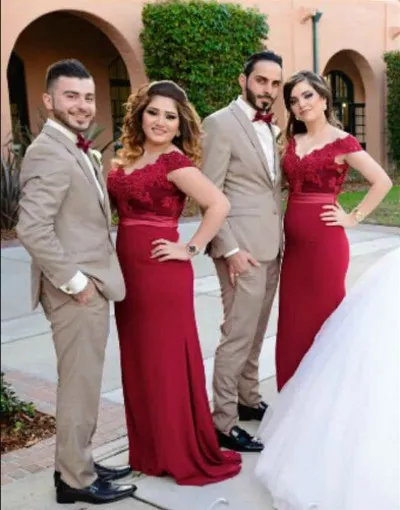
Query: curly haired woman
(170, 428)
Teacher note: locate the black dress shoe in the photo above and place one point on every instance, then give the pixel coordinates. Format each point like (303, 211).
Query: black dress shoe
(97, 493)
(252, 413)
(105, 473)
(239, 440)
(112, 473)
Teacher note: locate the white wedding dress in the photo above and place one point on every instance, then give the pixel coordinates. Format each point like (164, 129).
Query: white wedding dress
(332, 435)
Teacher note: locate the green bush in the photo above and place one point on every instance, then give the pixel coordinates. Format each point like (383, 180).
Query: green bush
(202, 46)
(392, 60)
(11, 406)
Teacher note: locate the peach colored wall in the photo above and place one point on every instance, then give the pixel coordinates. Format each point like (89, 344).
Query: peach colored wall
(363, 29)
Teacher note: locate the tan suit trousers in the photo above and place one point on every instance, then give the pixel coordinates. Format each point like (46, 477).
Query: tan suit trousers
(247, 308)
(80, 335)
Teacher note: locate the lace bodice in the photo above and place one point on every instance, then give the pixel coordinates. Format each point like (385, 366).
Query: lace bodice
(146, 192)
(318, 171)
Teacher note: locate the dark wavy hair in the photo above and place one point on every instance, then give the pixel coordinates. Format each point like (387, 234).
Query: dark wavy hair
(133, 137)
(318, 83)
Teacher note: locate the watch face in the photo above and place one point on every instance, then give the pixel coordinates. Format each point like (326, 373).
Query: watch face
(192, 249)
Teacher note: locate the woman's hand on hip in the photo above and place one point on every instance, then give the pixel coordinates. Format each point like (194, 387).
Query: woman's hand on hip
(336, 216)
(167, 250)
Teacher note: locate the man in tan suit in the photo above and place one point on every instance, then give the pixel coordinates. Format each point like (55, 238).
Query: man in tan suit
(241, 157)
(64, 224)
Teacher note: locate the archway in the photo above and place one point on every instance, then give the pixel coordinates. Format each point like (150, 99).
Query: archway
(63, 34)
(355, 93)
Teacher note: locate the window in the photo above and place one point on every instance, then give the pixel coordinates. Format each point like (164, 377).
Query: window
(120, 89)
(350, 114)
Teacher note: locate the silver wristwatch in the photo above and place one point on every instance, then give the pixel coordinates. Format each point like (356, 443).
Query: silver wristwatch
(192, 250)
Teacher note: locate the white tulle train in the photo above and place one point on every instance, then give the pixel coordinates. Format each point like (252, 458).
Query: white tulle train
(332, 436)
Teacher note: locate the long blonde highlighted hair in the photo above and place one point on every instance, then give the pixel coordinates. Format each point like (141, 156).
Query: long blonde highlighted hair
(133, 137)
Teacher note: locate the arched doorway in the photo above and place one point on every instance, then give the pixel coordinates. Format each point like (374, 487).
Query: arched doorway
(62, 34)
(17, 92)
(350, 113)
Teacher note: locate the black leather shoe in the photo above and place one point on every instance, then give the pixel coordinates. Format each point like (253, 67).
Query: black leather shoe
(112, 473)
(252, 413)
(239, 440)
(97, 493)
(105, 473)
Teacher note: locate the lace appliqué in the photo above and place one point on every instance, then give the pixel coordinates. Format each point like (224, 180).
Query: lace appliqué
(318, 171)
(147, 190)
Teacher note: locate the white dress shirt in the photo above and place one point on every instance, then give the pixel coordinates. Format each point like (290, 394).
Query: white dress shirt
(79, 281)
(265, 138)
(264, 135)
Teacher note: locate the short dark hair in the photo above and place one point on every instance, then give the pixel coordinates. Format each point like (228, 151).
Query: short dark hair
(70, 68)
(257, 57)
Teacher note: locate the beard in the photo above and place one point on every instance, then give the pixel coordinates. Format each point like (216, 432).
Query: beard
(62, 118)
(252, 99)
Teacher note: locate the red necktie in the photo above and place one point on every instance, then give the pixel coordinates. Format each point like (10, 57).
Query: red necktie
(82, 143)
(265, 117)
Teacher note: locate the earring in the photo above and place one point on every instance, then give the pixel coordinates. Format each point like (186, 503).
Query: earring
(178, 134)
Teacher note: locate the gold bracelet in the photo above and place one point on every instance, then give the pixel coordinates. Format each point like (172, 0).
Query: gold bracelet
(358, 215)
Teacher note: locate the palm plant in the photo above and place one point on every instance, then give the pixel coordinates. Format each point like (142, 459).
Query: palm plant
(94, 132)
(11, 159)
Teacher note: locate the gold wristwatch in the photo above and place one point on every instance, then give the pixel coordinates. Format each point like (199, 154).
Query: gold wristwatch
(358, 215)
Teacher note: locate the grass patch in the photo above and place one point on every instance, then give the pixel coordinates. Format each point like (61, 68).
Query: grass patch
(388, 212)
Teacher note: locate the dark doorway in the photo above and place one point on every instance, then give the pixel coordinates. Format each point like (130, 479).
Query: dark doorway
(17, 92)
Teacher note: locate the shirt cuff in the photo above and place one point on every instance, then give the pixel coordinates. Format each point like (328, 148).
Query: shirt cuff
(76, 284)
(232, 252)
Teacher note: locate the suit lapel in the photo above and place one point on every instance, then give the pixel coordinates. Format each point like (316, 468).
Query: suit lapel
(252, 135)
(276, 157)
(73, 149)
(97, 168)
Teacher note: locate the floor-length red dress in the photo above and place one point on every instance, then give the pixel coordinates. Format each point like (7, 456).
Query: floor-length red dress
(169, 423)
(316, 256)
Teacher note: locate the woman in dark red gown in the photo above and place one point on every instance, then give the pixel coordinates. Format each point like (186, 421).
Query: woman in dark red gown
(316, 159)
(170, 428)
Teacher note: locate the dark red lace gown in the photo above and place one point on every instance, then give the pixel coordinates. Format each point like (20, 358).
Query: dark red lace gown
(316, 256)
(169, 423)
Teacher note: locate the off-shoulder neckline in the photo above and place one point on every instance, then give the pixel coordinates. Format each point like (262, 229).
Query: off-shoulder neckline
(121, 168)
(317, 149)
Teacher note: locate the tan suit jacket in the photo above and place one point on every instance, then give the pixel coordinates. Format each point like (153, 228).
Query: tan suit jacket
(234, 160)
(63, 223)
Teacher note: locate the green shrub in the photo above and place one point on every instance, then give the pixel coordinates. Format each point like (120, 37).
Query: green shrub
(11, 406)
(202, 46)
(392, 60)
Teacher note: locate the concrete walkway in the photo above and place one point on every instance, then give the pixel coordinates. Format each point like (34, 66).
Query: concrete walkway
(28, 356)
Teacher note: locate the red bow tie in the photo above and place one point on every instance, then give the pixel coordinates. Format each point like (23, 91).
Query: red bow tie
(82, 143)
(265, 117)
